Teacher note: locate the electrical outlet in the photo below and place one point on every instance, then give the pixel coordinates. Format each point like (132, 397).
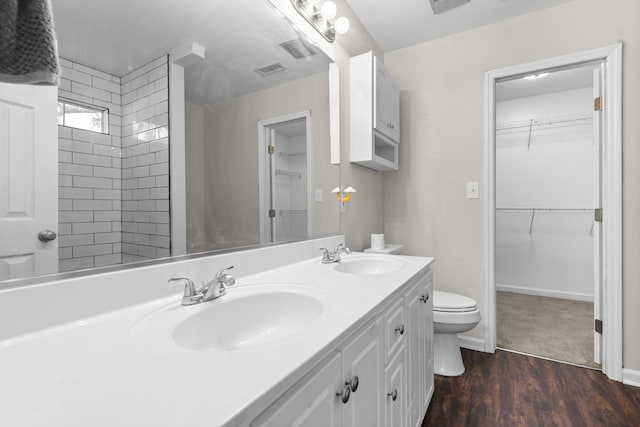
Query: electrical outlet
(318, 195)
(472, 190)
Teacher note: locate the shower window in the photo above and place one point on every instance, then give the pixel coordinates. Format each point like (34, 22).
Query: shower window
(85, 117)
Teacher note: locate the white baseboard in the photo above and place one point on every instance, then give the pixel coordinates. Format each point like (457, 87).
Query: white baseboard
(471, 343)
(545, 292)
(631, 377)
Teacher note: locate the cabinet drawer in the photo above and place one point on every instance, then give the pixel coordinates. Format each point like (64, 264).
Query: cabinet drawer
(394, 329)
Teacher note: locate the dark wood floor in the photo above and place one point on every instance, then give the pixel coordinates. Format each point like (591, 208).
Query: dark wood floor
(510, 389)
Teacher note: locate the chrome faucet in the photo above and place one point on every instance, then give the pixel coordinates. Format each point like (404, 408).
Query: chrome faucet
(218, 286)
(331, 257)
(211, 290)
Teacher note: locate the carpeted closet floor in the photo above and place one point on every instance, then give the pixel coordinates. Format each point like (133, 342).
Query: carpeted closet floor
(555, 328)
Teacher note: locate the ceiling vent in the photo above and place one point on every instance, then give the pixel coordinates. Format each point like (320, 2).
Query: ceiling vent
(441, 6)
(298, 48)
(267, 70)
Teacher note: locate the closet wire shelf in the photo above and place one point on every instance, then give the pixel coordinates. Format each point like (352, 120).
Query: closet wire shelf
(533, 212)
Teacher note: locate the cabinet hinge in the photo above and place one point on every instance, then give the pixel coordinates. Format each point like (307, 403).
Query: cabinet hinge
(272, 149)
(272, 213)
(597, 104)
(598, 326)
(597, 215)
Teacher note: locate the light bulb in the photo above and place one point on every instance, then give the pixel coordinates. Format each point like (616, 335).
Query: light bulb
(342, 25)
(328, 10)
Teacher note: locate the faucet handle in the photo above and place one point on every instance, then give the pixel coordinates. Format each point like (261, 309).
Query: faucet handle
(338, 246)
(221, 273)
(326, 256)
(191, 295)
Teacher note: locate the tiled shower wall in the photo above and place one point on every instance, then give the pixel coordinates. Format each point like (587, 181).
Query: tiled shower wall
(114, 188)
(89, 174)
(145, 162)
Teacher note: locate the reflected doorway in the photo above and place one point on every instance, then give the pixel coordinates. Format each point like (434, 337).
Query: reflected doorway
(284, 178)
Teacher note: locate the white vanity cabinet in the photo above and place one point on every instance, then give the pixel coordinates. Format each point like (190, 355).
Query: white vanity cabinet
(374, 114)
(381, 375)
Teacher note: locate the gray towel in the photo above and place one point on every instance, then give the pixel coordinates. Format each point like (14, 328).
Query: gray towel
(28, 51)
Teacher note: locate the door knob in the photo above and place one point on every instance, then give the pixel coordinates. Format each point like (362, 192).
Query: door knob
(47, 236)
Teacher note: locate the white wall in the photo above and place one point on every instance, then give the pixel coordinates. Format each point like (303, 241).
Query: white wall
(559, 170)
(442, 98)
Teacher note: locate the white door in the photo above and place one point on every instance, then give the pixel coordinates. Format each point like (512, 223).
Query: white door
(597, 257)
(28, 180)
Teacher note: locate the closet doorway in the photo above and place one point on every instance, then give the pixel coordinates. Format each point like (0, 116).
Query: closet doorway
(539, 202)
(547, 239)
(284, 178)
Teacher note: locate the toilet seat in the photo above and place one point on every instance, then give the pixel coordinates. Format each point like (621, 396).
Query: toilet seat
(452, 303)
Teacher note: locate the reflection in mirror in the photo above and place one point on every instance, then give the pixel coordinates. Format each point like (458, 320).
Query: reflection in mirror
(255, 134)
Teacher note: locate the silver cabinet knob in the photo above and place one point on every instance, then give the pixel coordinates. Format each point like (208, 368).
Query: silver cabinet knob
(400, 329)
(47, 236)
(393, 394)
(345, 392)
(424, 298)
(353, 383)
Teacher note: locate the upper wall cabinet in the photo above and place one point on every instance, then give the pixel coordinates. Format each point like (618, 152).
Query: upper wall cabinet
(374, 114)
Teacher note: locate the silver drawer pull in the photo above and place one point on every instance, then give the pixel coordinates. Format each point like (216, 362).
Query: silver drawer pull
(353, 383)
(345, 392)
(393, 394)
(400, 329)
(424, 298)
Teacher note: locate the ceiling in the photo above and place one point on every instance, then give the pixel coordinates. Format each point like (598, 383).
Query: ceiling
(556, 81)
(239, 36)
(395, 24)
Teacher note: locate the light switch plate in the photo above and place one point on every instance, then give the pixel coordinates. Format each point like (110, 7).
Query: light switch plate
(472, 190)
(318, 195)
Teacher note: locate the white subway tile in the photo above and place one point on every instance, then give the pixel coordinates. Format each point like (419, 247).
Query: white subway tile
(148, 182)
(75, 264)
(163, 253)
(117, 184)
(101, 238)
(127, 194)
(92, 250)
(117, 205)
(65, 84)
(115, 79)
(75, 240)
(65, 180)
(75, 193)
(65, 253)
(64, 229)
(129, 228)
(101, 216)
(159, 144)
(116, 226)
(90, 91)
(74, 217)
(159, 169)
(91, 227)
(89, 182)
(91, 159)
(75, 75)
(159, 217)
(107, 85)
(127, 98)
(64, 132)
(140, 171)
(65, 62)
(74, 96)
(147, 228)
(129, 184)
(141, 194)
(163, 229)
(65, 156)
(162, 156)
(116, 162)
(113, 259)
(75, 169)
(128, 206)
(75, 146)
(103, 194)
(106, 172)
(91, 71)
(89, 136)
(92, 205)
(160, 241)
(159, 193)
(145, 90)
(65, 205)
(141, 239)
(141, 217)
(162, 107)
(161, 83)
(162, 205)
(129, 250)
(107, 150)
(146, 205)
(147, 159)
(147, 251)
(158, 72)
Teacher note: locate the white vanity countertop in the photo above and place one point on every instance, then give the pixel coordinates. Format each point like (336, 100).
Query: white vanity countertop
(97, 373)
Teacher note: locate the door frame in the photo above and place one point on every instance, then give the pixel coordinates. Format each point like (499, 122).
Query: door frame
(611, 188)
(263, 127)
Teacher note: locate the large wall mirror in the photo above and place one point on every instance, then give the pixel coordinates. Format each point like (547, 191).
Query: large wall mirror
(178, 128)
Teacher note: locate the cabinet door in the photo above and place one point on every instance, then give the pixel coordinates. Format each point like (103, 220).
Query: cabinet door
(415, 360)
(386, 103)
(395, 391)
(362, 357)
(312, 402)
(426, 298)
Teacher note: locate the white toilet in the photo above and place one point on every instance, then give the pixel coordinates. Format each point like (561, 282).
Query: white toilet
(452, 314)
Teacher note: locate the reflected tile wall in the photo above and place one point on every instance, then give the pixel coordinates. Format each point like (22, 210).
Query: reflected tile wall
(89, 174)
(145, 162)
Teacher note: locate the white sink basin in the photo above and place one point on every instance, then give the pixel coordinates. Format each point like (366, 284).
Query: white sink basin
(247, 317)
(247, 321)
(368, 265)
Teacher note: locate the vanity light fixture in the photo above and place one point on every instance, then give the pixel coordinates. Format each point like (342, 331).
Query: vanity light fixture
(535, 76)
(319, 15)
